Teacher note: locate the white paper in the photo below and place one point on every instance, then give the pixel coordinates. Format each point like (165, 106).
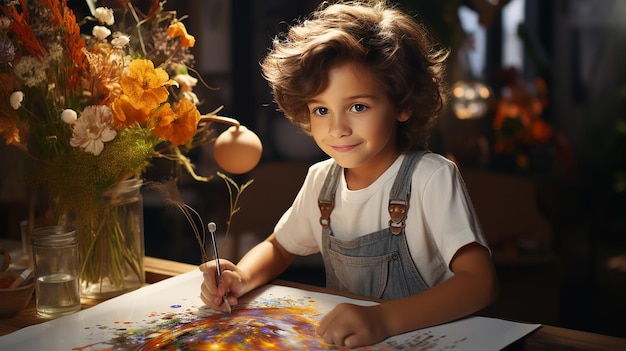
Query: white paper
(118, 323)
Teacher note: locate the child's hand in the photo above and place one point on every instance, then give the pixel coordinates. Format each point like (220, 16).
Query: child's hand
(352, 326)
(230, 285)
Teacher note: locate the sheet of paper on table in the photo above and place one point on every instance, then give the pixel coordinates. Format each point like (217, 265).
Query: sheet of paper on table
(275, 317)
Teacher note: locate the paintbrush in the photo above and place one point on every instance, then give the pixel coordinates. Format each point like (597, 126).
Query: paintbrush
(21, 278)
(212, 228)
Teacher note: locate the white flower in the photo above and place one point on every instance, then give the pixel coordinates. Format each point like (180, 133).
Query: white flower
(32, 70)
(105, 15)
(16, 99)
(120, 40)
(192, 97)
(56, 52)
(185, 81)
(100, 32)
(68, 116)
(93, 129)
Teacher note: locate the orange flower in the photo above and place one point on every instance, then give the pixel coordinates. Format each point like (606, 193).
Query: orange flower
(103, 72)
(541, 131)
(19, 25)
(178, 30)
(75, 46)
(179, 126)
(125, 114)
(161, 118)
(145, 85)
(9, 130)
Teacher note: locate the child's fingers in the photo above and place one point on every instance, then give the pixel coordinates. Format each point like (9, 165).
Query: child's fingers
(214, 288)
(207, 267)
(207, 296)
(202, 267)
(209, 287)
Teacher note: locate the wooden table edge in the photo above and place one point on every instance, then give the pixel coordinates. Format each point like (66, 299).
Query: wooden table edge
(546, 337)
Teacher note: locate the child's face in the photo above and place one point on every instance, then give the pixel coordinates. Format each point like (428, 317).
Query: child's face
(354, 121)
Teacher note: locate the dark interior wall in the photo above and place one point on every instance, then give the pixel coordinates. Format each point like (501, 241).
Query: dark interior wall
(588, 104)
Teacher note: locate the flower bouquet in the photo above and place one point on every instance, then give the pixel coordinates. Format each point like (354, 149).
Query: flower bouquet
(91, 103)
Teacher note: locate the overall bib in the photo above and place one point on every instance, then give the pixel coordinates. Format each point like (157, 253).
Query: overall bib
(379, 264)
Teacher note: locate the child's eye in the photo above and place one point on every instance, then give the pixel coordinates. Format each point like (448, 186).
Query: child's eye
(320, 111)
(358, 108)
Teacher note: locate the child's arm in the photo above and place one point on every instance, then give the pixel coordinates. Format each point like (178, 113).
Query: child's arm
(261, 264)
(472, 288)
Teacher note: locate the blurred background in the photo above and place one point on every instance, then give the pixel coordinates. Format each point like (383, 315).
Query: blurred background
(536, 124)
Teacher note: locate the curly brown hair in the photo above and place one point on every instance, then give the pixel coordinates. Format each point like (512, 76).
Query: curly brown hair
(396, 47)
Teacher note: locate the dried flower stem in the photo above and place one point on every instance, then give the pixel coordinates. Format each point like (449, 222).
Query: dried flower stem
(139, 23)
(171, 194)
(185, 209)
(234, 199)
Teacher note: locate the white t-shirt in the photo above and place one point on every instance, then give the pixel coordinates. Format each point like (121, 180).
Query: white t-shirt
(440, 218)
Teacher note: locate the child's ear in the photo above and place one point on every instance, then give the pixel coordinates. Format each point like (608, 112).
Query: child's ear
(404, 115)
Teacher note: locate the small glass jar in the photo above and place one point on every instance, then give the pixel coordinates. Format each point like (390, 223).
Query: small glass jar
(56, 259)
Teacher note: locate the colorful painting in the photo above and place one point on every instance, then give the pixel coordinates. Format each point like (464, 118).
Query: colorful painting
(274, 324)
(169, 315)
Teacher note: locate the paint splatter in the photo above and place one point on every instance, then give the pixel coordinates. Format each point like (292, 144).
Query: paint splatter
(245, 329)
(265, 324)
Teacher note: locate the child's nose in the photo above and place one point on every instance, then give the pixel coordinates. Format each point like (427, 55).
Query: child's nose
(339, 126)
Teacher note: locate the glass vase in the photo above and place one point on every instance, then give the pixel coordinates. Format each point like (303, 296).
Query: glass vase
(112, 246)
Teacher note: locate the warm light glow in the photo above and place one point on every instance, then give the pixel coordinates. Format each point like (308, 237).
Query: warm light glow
(470, 94)
(483, 92)
(470, 99)
(458, 91)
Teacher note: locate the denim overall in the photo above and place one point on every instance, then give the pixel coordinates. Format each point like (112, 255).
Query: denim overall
(379, 264)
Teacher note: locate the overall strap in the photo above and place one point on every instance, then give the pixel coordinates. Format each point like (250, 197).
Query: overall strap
(326, 200)
(401, 192)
